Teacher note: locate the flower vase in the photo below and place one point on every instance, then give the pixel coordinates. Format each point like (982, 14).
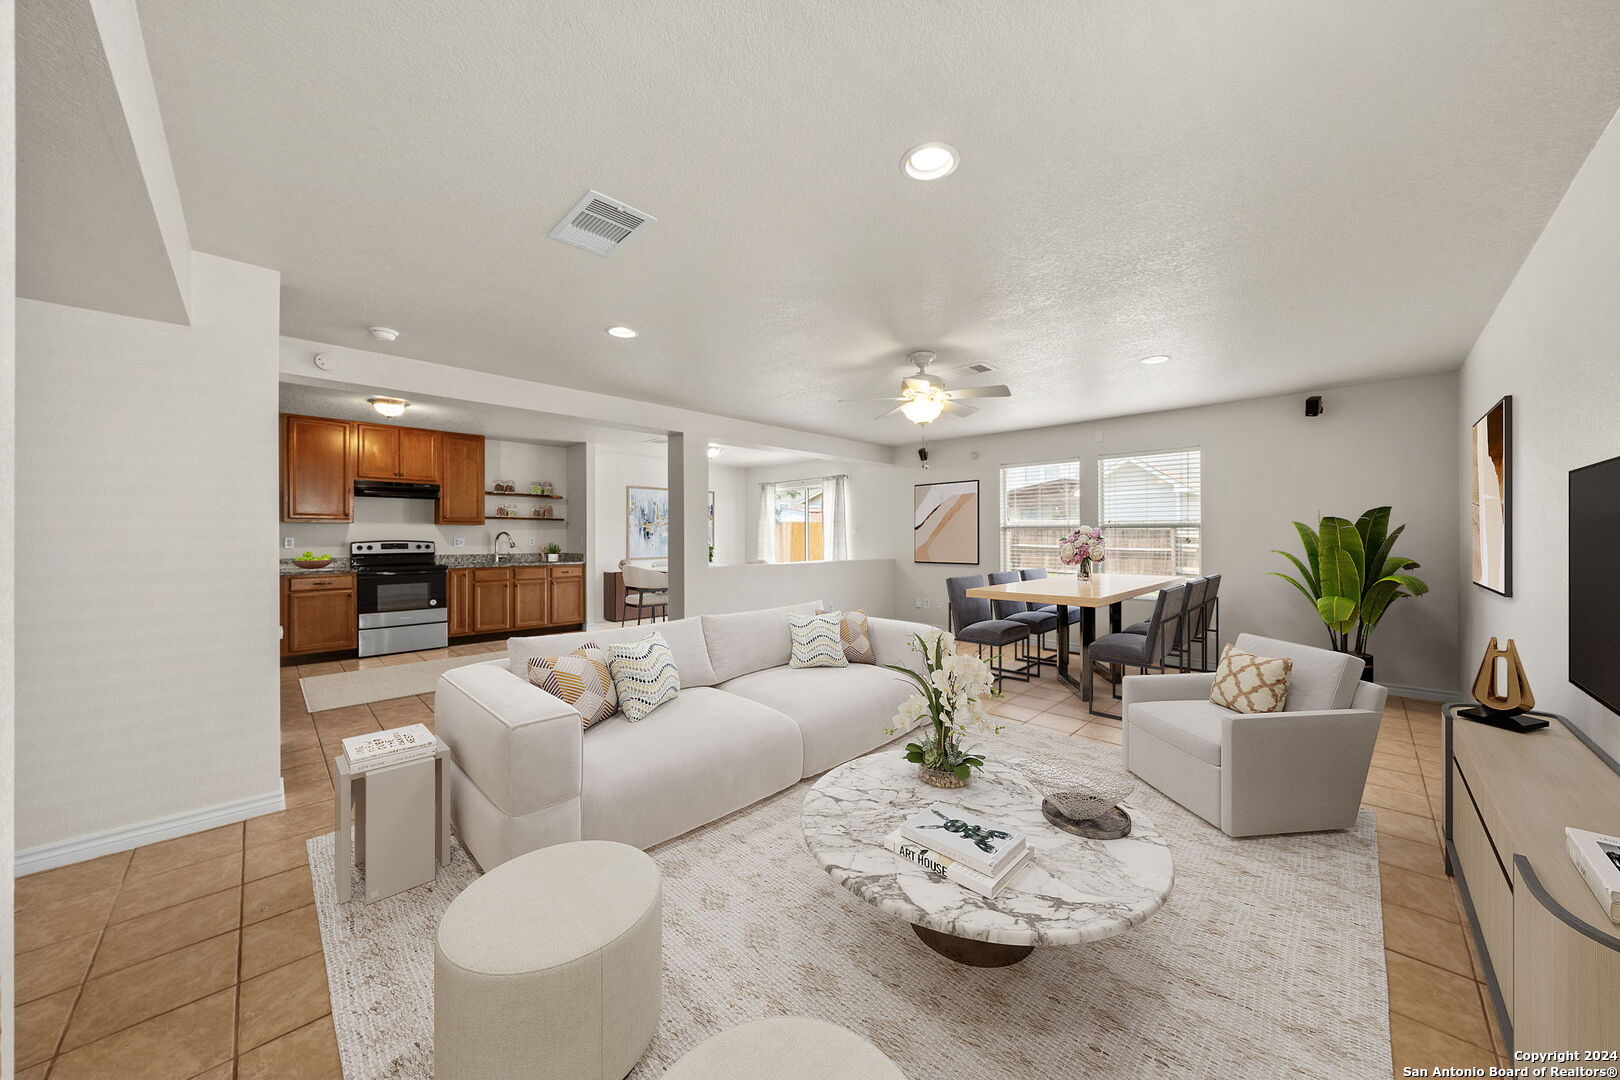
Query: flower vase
(940, 778)
(1085, 570)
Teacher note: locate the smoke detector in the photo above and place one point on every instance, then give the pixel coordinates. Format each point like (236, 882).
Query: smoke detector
(383, 333)
(599, 224)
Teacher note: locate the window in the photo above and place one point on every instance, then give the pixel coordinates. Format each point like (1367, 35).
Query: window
(1040, 504)
(804, 520)
(1149, 510)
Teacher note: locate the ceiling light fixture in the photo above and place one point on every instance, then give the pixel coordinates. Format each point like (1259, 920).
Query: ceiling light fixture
(389, 406)
(621, 331)
(714, 450)
(1150, 360)
(923, 407)
(383, 333)
(930, 161)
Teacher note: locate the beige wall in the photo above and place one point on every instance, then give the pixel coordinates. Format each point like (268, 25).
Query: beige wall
(8, 383)
(1554, 344)
(146, 599)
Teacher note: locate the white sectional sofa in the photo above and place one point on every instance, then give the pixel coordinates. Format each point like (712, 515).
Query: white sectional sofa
(524, 775)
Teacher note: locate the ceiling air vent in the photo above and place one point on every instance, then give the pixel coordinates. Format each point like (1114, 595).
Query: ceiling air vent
(599, 224)
(979, 369)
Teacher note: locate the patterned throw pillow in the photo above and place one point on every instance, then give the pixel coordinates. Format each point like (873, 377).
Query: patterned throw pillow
(856, 635)
(1247, 683)
(644, 675)
(816, 641)
(581, 678)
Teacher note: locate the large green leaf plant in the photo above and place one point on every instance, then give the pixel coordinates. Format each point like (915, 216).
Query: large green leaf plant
(1351, 575)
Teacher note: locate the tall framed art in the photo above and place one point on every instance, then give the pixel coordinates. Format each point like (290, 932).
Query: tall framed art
(945, 527)
(1491, 464)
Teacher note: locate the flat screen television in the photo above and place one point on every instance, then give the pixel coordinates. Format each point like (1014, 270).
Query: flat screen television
(1594, 581)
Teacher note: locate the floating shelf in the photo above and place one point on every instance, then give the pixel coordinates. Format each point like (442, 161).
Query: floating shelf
(524, 495)
(509, 518)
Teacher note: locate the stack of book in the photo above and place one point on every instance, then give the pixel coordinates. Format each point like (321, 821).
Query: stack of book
(383, 748)
(962, 846)
(1597, 857)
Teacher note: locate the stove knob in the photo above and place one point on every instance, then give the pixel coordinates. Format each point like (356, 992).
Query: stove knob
(433, 603)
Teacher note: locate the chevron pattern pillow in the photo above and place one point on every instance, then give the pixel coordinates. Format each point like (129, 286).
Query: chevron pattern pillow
(1247, 683)
(581, 678)
(644, 675)
(817, 641)
(856, 635)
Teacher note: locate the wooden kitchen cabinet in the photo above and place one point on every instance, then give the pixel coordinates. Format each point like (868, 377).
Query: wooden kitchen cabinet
(531, 596)
(567, 604)
(402, 454)
(317, 479)
(318, 613)
(458, 586)
(491, 600)
(497, 599)
(461, 480)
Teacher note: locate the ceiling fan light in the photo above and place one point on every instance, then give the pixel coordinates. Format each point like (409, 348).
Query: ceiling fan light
(923, 409)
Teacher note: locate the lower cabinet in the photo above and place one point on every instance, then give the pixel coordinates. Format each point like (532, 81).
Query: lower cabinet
(495, 599)
(318, 614)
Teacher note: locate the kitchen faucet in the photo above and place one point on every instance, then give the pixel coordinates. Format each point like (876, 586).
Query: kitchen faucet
(509, 540)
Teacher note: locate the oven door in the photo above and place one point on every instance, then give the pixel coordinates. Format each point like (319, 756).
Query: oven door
(393, 597)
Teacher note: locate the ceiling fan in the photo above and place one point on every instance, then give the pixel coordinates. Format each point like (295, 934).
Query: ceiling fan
(923, 396)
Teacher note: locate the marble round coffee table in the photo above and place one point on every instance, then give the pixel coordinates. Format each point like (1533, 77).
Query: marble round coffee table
(1074, 890)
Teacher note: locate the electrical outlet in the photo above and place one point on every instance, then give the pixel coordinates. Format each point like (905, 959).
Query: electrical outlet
(927, 602)
(916, 602)
(534, 541)
(287, 542)
(457, 541)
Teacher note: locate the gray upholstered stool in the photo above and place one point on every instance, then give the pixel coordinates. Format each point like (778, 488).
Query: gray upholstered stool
(785, 1046)
(547, 967)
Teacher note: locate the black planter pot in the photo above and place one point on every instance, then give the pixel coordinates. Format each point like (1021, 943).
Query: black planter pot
(1366, 672)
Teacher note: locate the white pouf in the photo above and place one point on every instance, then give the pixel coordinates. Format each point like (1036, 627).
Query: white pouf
(785, 1046)
(548, 967)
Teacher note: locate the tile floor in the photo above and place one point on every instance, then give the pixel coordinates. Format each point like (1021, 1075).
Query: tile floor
(201, 957)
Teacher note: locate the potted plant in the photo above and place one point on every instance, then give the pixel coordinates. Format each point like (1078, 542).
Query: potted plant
(951, 698)
(1351, 576)
(1083, 548)
(553, 552)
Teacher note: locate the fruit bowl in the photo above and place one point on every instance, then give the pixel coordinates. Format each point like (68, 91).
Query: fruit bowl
(312, 564)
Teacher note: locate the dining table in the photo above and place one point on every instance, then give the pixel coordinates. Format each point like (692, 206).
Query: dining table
(1086, 593)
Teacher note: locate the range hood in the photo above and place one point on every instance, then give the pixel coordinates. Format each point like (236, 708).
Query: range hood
(390, 489)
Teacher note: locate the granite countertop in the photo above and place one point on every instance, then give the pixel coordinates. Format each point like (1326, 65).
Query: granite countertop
(520, 558)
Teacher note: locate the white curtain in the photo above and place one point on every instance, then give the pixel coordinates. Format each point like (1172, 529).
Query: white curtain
(835, 511)
(765, 533)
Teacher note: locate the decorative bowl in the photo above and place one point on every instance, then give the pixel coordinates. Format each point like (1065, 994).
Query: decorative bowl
(312, 564)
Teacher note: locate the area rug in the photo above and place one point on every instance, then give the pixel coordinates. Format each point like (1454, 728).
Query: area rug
(1267, 959)
(347, 688)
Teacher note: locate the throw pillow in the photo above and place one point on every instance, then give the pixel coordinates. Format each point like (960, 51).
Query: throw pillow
(856, 636)
(644, 675)
(816, 641)
(1247, 683)
(581, 678)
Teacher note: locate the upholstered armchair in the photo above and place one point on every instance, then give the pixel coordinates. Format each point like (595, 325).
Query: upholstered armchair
(1250, 774)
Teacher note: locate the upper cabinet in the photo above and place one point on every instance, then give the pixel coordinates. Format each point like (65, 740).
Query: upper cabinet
(409, 455)
(321, 459)
(316, 480)
(461, 481)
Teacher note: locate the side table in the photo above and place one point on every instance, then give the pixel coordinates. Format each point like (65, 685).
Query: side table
(401, 820)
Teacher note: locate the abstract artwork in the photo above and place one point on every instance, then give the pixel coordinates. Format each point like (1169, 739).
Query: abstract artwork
(946, 524)
(1492, 462)
(647, 522)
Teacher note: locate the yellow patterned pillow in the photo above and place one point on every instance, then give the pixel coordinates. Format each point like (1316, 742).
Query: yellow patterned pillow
(1247, 683)
(581, 678)
(856, 636)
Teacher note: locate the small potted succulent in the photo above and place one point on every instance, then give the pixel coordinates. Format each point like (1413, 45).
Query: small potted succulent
(553, 552)
(1082, 548)
(951, 699)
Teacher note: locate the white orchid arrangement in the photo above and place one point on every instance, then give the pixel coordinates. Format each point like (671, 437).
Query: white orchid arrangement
(1084, 545)
(953, 697)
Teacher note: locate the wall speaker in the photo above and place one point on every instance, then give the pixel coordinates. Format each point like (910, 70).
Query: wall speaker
(1313, 405)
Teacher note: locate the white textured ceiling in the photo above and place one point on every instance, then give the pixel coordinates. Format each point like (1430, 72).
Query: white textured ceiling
(1282, 195)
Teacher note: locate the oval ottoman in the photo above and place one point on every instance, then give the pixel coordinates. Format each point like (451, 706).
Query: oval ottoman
(548, 967)
(785, 1046)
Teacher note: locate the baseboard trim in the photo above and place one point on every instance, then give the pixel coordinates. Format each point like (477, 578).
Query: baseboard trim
(95, 845)
(1425, 693)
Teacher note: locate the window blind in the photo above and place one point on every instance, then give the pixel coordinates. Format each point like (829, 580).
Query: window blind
(1040, 504)
(1150, 510)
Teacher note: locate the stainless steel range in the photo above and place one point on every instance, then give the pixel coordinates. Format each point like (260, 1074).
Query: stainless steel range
(403, 597)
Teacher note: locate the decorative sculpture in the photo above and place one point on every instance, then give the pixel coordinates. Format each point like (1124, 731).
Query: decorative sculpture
(1503, 705)
(1080, 800)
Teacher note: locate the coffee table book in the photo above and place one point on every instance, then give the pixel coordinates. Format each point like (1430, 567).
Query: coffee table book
(953, 871)
(1597, 857)
(965, 837)
(391, 747)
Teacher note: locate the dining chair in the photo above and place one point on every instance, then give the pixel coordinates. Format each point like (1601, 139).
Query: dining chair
(645, 590)
(1148, 650)
(1040, 622)
(973, 620)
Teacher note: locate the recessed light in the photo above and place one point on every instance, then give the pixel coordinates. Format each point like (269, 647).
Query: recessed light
(389, 406)
(1161, 359)
(621, 331)
(383, 333)
(930, 161)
